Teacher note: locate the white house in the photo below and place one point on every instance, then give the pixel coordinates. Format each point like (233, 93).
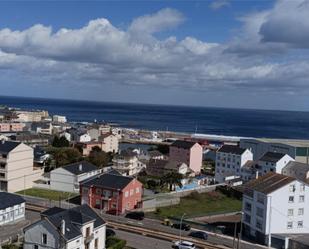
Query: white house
(229, 161)
(67, 178)
(275, 205)
(126, 163)
(79, 227)
(273, 162)
(110, 142)
(12, 208)
(59, 119)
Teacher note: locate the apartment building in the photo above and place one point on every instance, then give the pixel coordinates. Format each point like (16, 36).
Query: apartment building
(12, 208)
(112, 192)
(230, 160)
(298, 170)
(16, 167)
(127, 163)
(11, 127)
(274, 207)
(59, 119)
(110, 142)
(273, 162)
(190, 153)
(76, 228)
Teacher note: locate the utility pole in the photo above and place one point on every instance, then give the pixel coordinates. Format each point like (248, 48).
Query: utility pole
(235, 233)
(240, 232)
(180, 227)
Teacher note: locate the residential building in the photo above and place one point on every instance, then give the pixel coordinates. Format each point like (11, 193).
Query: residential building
(94, 134)
(297, 149)
(273, 162)
(68, 177)
(112, 192)
(160, 167)
(87, 147)
(230, 160)
(11, 127)
(127, 163)
(298, 170)
(59, 119)
(30, 139)
(16, 167)
(78, 227)
(275, 206)
(30, 116)
(155, 154)
(45, 128)
(190, 153)
(110, 142)
(12, 208)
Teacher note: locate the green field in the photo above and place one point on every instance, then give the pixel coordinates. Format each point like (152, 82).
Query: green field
(200, 205)
(48, 194)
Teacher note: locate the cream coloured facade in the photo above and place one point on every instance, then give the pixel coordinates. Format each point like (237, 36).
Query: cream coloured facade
(31, 116)
(110, 143)
(16, 167)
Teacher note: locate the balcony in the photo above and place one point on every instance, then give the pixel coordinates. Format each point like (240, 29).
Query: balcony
(89, 238)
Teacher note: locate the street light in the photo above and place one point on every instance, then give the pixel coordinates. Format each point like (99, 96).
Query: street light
(180, 227)
(240, 232)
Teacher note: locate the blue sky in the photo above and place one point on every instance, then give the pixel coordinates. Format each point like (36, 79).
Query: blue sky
(247, 54)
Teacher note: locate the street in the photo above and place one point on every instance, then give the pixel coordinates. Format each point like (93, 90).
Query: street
(142, 242)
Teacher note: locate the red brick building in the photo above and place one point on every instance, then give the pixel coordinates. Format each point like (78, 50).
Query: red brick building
(112, 192)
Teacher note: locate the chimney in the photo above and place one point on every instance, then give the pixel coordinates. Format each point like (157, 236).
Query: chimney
(63, 227)
(80, 167)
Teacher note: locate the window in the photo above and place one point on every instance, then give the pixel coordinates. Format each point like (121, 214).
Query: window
(126, 194)
(87, 231)
(247, 218)
(260, 198)
(292, 188)
(300, 211)
(259, 212)
(131, 192)
(44, 238)
(301, 198)
(248, 206)
(137, 190)
(302, 187)
(2, 175)
(258, 224)
(35, 247)
(98, 191)
(290, 225)
(85, 190)
(300, 224)
(291, 199)
(96, 243)
(290, 212)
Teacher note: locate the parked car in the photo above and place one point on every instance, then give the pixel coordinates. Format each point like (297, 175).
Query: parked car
(183, 226)
(135, 215)
(199, 235)
(183, 245)
(110, 232)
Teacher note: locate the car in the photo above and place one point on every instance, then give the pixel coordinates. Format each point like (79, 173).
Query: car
(135, 215)
(183, 226)
(199, 235)
(183, 245)
(110, 232)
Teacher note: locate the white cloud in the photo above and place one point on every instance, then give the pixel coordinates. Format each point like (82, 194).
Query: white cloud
(218, 4)
(100, 54)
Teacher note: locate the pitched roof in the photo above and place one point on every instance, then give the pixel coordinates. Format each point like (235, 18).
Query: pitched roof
(107, 180)
(183, 144)
(272, 157)
(9, 200)
(233, 149)
(80, 167)
(268, 183)
(7, 146)
(74, 218)
(297, 170)
(154, 153)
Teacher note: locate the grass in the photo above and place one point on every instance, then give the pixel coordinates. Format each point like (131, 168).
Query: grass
(203, 204)
(47, 194)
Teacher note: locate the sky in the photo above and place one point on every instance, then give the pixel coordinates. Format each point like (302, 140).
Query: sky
(220, 53)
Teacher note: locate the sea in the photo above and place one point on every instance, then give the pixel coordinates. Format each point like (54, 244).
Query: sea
(203, 120)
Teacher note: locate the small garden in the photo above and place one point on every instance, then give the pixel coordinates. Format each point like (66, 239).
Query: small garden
(48, 194)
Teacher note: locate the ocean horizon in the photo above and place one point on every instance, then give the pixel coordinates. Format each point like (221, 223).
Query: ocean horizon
(191, 119)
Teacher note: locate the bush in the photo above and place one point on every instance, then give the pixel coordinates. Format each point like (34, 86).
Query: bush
(11, 247)
(115, 243)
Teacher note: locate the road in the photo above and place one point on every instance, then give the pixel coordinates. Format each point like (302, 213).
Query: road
(142, 242)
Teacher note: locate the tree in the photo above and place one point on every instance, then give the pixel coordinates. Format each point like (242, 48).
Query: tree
(98, 158)
(63, 156)
(172, 180)
(60, 142)
(163, 148)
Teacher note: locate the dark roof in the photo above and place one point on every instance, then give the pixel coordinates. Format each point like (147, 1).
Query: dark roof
(74, 218)
(127, 153)
(113, 172)
(272, 157)
(183, 144)
(80, 167)
(233, 149)
(7, 146)
(268, 183)
(154, 153)
(111, 181)
(157, 163)
(9, 200)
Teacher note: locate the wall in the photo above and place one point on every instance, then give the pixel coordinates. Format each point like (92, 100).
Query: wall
(63, 180)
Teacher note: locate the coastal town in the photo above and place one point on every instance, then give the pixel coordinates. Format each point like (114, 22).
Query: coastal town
(96, 185)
